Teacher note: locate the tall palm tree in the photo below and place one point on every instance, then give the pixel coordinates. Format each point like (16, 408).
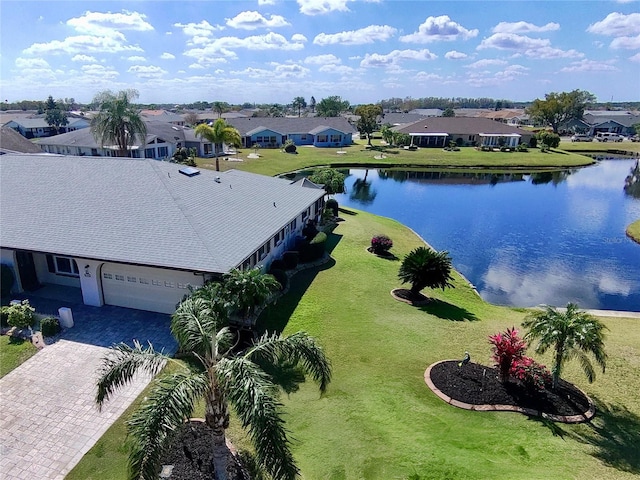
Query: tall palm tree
(572, 334)
(299, 103)
(220, 376)
(424, 267)
(249, 289)
(118, 121)
(218, 133)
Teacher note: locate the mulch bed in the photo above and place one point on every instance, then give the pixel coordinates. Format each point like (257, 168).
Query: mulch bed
(191, 454)
(407, 296)
(476, 384)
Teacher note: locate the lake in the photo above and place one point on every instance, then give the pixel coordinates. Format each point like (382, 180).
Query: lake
(521, 239)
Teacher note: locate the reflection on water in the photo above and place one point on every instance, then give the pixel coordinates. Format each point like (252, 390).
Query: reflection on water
(522, 239)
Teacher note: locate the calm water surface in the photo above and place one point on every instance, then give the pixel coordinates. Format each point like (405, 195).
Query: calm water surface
(521, 239)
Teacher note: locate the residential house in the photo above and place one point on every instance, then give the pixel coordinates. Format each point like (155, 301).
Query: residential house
(138, 233)
(465, 131)
(273, 132)
(12, 142)
(513, 117)
(37, 127)
(396, 119)
(620, 122)
(163, 116)
(161, 142)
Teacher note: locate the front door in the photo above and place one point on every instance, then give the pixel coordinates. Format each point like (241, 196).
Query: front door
(27, 271)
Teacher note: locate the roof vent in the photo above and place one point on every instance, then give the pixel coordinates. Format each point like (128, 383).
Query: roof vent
(217, 179)
(189, 171)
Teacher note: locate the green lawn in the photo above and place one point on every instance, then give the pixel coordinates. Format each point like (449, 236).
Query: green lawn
(633, 231)
(13, 352)
(378, 419)
(595, 147)
(274, 161)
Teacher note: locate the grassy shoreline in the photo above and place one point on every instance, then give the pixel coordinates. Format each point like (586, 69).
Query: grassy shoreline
(633, 231)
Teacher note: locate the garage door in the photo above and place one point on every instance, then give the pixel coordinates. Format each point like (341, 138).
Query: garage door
(145, 288)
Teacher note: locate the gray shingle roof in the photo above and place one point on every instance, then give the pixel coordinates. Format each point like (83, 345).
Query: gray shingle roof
(460, 125)
(12, 141)
(143, 211)
(299, 125)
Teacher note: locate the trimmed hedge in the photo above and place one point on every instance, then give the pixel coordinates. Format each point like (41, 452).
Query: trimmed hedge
(50, 326)
(290, 259)
(281, 277)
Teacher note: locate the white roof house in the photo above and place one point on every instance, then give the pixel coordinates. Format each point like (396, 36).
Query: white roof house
(136, 232)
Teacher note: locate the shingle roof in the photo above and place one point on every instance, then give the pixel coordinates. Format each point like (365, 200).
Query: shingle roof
(299, 125)
(143, 211)
(12, 141)
(460, 125)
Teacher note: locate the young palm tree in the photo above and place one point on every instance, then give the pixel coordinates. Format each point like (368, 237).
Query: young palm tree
(118, 121)
(424, 267)
(218, 133)
(299, 103)
(223, 379)
(249, 289)
(571, 334)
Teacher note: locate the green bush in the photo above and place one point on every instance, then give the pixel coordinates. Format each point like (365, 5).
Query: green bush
(320, 237)
(332, 204)
(290, 259)
(548, 139)
(21, 315)
(4, 317)
(281, 277)
(277, 264)
(290, 147)
(50, 326)
(7, 279)
(522, 148)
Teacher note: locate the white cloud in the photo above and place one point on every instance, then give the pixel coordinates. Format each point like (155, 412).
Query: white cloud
(107, 24)
(455, 55)
(320, 7)
(266, 2)
(99, 71)
(370, 34)
(486, 62)
(524, 27)
(201, 29)
(167, 56)
(84, 58)
(627, 43)
(427, 77)
(224, 46)
(617, 24)
(440, 28)
(146, 71)
(539, 48)
(585, 65)
(337, 69)
(635, 58)
(328, 59)
(251, 20)
(83, 44)
(396, 57)
(280, 72)
(137, 58)
(32, 63)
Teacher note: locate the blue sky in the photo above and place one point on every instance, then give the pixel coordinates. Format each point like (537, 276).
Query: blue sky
(271, 51)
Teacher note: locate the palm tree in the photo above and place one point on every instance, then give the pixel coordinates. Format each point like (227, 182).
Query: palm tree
(572, 334)
(218, 133)
(249, 289)
(424, 267)
(220, 376)
(299, 103)
(118, 121)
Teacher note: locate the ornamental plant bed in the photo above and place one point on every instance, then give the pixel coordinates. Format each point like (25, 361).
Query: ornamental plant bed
(407, 296)
(477, 384)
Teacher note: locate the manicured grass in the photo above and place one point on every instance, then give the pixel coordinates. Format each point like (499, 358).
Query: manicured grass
(378, 419)
(596, 147)
(633, 231)
(13, 352)
(274, 161)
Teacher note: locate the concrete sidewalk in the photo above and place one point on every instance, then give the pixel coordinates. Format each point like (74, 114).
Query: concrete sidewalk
(48, 416)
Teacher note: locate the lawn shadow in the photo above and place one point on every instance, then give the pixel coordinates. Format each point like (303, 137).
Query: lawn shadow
(347, 212)
(615, 435)
(553, 427)
(447, 311)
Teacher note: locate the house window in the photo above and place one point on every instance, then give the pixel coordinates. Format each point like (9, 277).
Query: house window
(321, 139)
(293, 225)
(120, 278)
(132, 279)
(163, 152)
(156, 283)
(259, 140)
(62, 266)
(277, 240)
(169, 284)
(108, 276)
(94, 152)
(272, 140)
(336, 138)
(148, 153)
(303, 138)
(143, 281)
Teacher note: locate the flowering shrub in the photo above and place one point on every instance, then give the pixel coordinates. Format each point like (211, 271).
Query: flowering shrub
(532, 374)
(21, 315)
(507, 349)
(381, 244)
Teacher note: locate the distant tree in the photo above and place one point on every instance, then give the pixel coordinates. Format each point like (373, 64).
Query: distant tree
(368, 121)
(448, 112)
(218, 133)
(559, 108)
(55, 116)
(548, 140)
(498, 105)
(331, 179)
(276, 110)
(312, 104)
(331, 106)
(571, 334)
(636, 128)
(299, 103)
(387, 134)
(191, 118)
(118, 121)
(424, 267)
(220, 108)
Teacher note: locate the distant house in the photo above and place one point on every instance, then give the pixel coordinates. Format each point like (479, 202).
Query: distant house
(465, 131)
(163, 116)
(138, 233)
(273, 132)
(620, 122)
(396, 119)
(514, 117)
(161, 142)
(38, 127)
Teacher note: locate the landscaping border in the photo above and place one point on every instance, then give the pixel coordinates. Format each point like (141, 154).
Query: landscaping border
(585, 417)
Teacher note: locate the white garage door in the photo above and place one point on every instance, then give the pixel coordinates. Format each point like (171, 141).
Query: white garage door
(145, 288)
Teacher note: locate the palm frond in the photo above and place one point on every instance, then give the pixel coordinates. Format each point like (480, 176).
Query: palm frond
(254, 398)
(299, 348)
(194, 325)
(120, 365)
(169, 404)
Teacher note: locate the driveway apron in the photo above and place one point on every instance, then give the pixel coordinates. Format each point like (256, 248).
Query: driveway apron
(48, 416)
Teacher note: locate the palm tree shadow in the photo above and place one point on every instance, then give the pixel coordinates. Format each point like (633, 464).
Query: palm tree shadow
(447, 311)
(553, 427)
(615, 435)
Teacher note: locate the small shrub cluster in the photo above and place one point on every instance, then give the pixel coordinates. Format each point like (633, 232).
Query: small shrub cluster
(281, 277)
(533, 375)
(290, 147)
(548, 140)
(290, 259)
(21, 315)
(50, 326)
(332, 204)
(311, 250)
(381, 244)
(522, 148)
